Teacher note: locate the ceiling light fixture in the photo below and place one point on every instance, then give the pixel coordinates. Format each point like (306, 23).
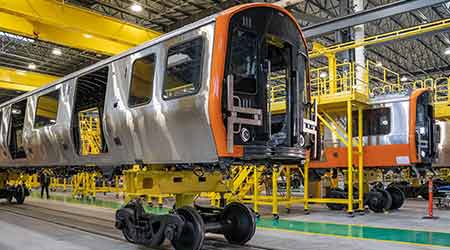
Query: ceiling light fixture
(404, 79)
(32, 66)
(56, 52)
(136, 7)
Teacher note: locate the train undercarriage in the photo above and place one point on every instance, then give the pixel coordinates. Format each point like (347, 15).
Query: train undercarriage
(13, 191)
(185, 226)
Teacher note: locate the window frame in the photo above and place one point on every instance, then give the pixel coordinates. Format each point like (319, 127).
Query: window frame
(37, 105)
(258, 57)
(355, 116)
(155, 54)
(202, 59)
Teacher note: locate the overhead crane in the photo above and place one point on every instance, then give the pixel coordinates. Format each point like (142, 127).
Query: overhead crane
(67, 25)
(382, 38)
(56, 22)
(23, 80)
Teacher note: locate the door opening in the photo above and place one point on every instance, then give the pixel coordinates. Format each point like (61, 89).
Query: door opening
(16, 125)
(87, 122)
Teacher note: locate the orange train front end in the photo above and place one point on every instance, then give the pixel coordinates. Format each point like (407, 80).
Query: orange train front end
(398, 131)
(259, 48)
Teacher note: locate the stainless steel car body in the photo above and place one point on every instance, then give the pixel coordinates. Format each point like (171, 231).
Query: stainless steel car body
(399, 106)
(443, 145)
(163, 131)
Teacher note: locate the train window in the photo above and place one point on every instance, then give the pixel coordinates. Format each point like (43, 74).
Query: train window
(47, 109)
(141, 87)
(183, 70)
(375, 122)
(16, 125)
(243, 61)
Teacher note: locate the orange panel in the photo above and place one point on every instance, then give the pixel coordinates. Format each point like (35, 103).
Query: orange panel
(217, 74)
(374, 156)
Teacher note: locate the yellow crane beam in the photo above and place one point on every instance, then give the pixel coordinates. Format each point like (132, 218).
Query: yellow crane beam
(64, 24)
(382, 38)
(23, 80)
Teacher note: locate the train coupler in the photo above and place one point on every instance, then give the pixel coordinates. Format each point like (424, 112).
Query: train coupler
(186, 226)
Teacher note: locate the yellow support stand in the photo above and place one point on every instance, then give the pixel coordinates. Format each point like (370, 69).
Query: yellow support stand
(360, 161)
(158, 182)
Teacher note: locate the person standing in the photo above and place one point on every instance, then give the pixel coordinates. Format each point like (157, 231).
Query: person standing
(45, 183)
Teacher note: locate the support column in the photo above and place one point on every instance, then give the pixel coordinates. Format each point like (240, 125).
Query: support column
(332, 72)
(360, 161)
(360, 58)
(275, 175)
(306, 184)
(349, 157)
(255, 189)
(288, 173)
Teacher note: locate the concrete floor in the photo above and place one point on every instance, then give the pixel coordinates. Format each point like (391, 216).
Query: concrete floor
(408, 217)
(19, 233)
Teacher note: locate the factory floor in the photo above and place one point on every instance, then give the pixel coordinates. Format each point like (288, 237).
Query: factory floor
(321, 229)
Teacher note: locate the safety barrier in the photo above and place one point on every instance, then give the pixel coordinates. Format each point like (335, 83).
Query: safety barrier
(90, 134)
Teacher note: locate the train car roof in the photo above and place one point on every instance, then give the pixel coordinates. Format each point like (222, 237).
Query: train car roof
(396, 97)
(162, 38)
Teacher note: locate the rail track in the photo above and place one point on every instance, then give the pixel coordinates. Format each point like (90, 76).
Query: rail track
(101, 226)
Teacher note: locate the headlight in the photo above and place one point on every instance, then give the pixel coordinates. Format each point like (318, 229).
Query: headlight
(245, 134)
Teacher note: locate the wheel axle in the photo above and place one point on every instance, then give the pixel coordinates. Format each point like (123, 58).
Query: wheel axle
(186, 226)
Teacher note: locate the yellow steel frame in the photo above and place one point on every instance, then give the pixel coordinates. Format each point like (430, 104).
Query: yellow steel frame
(381, 38)
(90, 134)
(347, 139)
(56, 183)
(23, 80)
(32, 181)
(158, 182)
(83, 184)
(54, 21)
(338, 91)
(247, 185)
(338, 83)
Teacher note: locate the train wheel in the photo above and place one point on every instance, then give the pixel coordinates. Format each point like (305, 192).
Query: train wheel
(387, 199)
(19, 194)
(128, 227)
(241, 223)
(375, 201)
(336, 194)
(398, 197)
(193, 232)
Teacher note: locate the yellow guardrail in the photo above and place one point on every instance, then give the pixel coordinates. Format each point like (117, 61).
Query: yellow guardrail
(90, 134)
(348, 80)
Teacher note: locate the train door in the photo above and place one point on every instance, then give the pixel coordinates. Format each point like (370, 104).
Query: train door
(87, 122)
(246, 94)
(425, 139)
(277, 56)
(16, 127)
(265, 78)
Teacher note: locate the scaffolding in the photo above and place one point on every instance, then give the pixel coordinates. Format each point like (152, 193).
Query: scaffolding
(90, 133)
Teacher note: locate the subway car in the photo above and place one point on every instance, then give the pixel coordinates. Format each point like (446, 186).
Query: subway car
(398, 131)
(195, 98)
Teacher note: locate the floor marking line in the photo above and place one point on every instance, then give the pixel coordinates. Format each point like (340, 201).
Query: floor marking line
(350, 237)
